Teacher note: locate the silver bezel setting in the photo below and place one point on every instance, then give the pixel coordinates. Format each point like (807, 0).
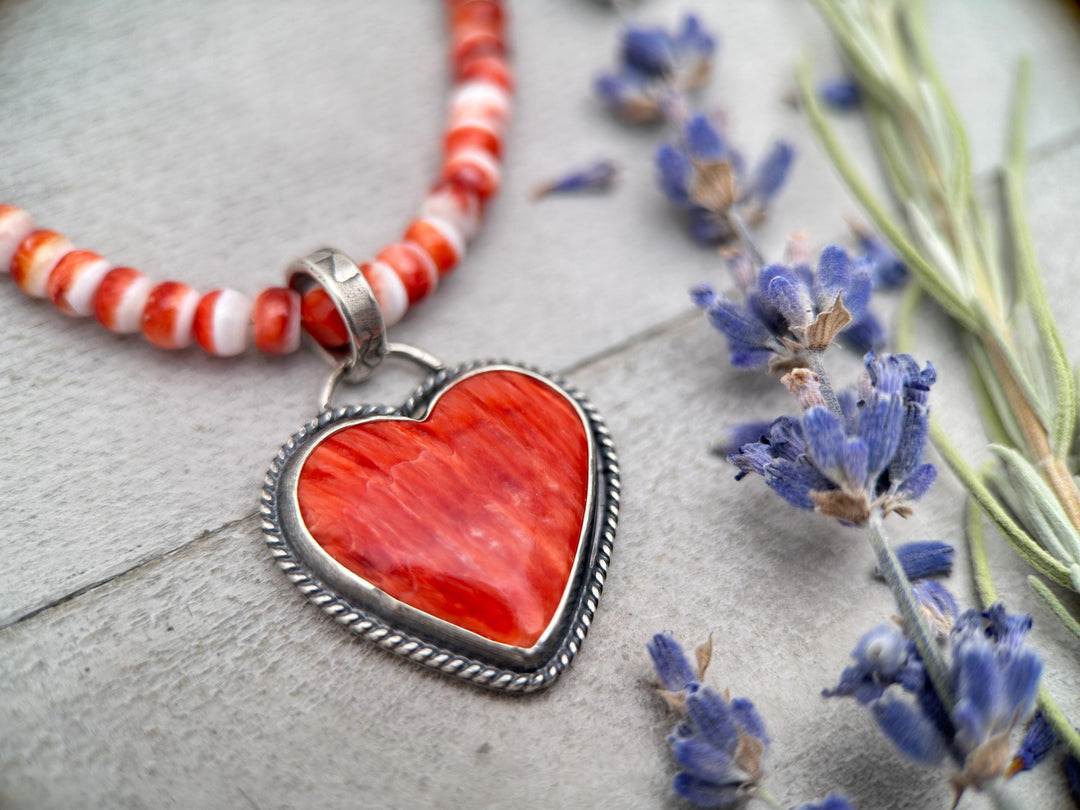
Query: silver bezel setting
(412, 633)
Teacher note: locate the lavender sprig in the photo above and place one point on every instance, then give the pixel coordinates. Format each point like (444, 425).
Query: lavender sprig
(721, 742)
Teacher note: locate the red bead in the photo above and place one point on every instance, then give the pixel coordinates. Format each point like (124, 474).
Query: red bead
(473, 515)
(473, 42)
(475, 170)
(35, 259)
(222, 321)
(121, 298)
(440, 240)
(409, 264)
(277, 321)
(476, 135)
(74, 281)
(470, 11)
(321, 319)
(169, 315)
(457, 205)
(492, 69)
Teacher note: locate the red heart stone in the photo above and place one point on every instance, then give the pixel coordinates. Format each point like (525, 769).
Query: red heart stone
(473, 515)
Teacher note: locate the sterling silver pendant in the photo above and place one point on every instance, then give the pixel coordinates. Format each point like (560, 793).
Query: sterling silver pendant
(469, 528)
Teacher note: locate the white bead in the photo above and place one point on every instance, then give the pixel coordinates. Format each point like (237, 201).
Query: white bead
(452, 233)
(389, 292)
(479, 99)
(445, 204)
(231, 323)
(185, 319)
(80, 295)
(128, 317)
(15, 225)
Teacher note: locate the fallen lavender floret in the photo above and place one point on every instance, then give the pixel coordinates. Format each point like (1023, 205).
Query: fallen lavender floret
(653, 63)
(597, 176)
(721, 742)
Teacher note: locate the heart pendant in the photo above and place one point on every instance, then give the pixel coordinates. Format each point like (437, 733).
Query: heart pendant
(469, 529)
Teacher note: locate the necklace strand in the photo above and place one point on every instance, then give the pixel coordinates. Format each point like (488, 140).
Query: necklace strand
(224, 322)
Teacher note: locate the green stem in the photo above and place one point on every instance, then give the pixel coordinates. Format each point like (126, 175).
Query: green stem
(1052, 602)
(927, 275)
(1032, 553)
(912, 614)
(763, 793)
(1027, 270)
(817, 365)
(984, 583)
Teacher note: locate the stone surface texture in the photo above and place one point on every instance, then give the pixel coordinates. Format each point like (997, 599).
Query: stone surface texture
(152, 654)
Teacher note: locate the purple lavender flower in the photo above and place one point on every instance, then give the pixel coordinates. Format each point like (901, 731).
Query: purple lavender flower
(864, 455)
(926, 558)
(720, 744)
(993, 679)
(789, 310)
(597, 176)
(1038, 742)
(830, 802)
(671, 665)
(1072, 773)
(769, 177)
(703, 175)
(653, 64)
(887, 270)
(841, 93)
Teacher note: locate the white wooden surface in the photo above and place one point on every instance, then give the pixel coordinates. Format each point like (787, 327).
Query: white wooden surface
(152, 655)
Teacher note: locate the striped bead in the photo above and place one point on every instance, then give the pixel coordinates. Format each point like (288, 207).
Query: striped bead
(491, 69)
(388, 290)
(480, 99)
(469, 11)
(457, 205)
(413, 266)
(440, 240)
(35, 259)
(121, 298)
(169, 315)
(475, 134)
(277, 321)
(475, 170)
(15, 226)
(223, 322)
(320, 318)
(74, 282)
(474, 40)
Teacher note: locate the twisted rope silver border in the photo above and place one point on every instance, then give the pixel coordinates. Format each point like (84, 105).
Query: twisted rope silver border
(420, 650)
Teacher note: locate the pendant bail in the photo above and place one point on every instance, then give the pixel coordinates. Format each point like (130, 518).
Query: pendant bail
(351, 295)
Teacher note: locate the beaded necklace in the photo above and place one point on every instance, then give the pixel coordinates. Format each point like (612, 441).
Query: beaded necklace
(469, 528)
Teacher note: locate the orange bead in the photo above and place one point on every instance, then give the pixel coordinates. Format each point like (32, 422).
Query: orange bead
(222, 322)
(418, 275)
(74, 281)
(277, 321)
(321, 319)
(475, 170)
(121, 298)
(493, 69)
(35, 259)
(438, 239)
(475, 134)
(169, 315)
